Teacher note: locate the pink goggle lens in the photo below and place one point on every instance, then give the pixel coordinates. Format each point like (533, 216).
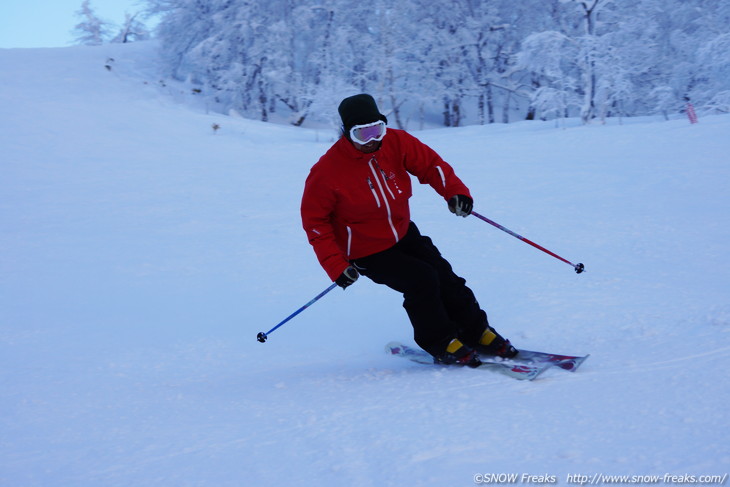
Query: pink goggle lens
(362, 134)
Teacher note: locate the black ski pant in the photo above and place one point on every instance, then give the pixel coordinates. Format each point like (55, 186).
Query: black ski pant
(439, 304)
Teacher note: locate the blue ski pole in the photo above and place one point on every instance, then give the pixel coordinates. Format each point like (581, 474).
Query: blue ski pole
(263, 336)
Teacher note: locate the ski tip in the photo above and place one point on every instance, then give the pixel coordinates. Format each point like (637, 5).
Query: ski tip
(394, 348)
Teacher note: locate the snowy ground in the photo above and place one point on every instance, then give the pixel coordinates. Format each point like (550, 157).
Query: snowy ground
(140, 253)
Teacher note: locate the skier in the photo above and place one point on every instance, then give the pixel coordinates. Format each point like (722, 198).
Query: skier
(356, 215)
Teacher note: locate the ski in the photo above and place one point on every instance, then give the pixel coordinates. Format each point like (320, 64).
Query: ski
(566, 362)
(519, 371)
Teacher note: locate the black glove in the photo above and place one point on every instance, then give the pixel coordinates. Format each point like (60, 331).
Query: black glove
(349, 276)
(461, 205)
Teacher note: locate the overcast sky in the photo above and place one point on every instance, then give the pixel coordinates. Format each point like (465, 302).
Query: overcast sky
(49, 23)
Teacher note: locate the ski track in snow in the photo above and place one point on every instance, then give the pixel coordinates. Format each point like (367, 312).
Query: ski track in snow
(141, 254)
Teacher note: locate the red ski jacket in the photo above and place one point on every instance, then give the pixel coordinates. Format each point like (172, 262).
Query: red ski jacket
(356, 204)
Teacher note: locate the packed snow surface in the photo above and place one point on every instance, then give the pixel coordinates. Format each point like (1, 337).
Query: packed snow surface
(141, 252)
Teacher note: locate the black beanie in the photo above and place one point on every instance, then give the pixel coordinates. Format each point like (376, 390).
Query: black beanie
(359, 110)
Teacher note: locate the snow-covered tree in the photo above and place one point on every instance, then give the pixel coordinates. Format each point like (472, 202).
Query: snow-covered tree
(713, 74)
(91, 31)
(131, 30)
(551, 56)
(664, 98)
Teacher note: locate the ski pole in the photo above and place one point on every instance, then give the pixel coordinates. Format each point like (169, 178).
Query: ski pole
(578, 267)
(263, 336)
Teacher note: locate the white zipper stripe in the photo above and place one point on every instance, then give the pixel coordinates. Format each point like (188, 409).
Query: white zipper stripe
(385, 180)
(375, 195)
(349, 240)
(441, 173)
(385, 199)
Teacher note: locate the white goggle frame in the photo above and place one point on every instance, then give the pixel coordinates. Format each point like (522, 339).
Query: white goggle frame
(368, 131)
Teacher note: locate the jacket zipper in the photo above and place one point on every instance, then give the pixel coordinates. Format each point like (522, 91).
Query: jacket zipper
(385, 199)
(385, 178)
(375, 195)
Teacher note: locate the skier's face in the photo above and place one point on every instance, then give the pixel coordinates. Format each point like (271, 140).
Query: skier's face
(368, 148)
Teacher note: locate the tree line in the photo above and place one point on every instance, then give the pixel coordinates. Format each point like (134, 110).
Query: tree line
(451, 62)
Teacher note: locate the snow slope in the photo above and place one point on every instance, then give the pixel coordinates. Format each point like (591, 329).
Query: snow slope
(140, 253)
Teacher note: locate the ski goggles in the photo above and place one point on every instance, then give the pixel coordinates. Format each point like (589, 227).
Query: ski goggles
(362, 134)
